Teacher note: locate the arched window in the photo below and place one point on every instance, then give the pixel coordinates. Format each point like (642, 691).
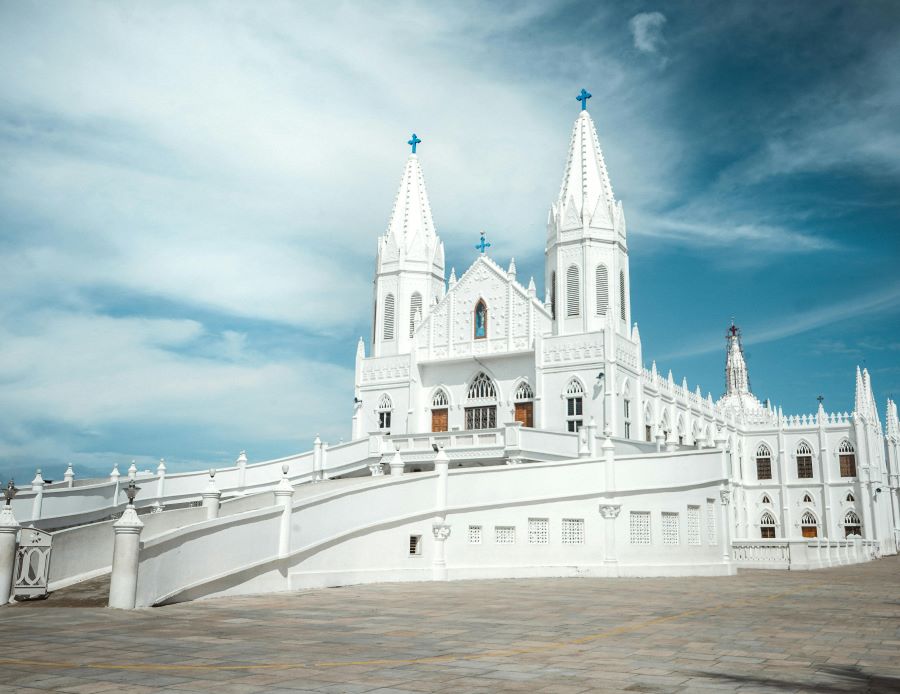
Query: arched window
(524, 404)
(847, 458)
(850, 497)
(481, 320)
(389, 317)
(763, 462)
(765, 499)
(767, 525)
(804, 461)
(809, 526)
(622, 309)
(574, 405)
(384, 413)
(807, 499)
(852, 526)
(440, 410)
(602, 281)
(482, 413)
(415, 310)
(573, 292)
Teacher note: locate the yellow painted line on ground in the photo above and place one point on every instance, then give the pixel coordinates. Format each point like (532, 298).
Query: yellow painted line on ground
(505, 653)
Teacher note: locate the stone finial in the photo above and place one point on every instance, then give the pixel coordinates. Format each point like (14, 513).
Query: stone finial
(37, 483)
(532, 290)
(511, 272)
(360, 349)
(132, 470)
(242, 458)
(635, 334)
(69, 475)
(161, 468)
(653, 370)
(114, 473)
(547, 304)
(452, 276)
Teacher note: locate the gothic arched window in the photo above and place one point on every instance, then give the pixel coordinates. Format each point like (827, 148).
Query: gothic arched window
(804, 461)
(481, 319)
(767, 525)
(440, 410)
(602, 281)
(847, 458)
(763, 462)
(384, 412)
(524, 404)
(850, 497)
(573, 292)
(481, 413)
(415, 311)
(389, 317)
(809, 526)
(622, 309)
(852, 525)
(574, 405)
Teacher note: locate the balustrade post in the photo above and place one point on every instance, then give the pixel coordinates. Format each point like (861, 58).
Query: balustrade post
(440, 528)
(609, 462)
(397, 464)
(132, 471)
(592, 437)
(114, 477)
(37, 486)
(317, 459)
(9, 530)
(284, 494)
(241, 464)
(211, 496)
(69, 476)
(126, 554)
(160, 486)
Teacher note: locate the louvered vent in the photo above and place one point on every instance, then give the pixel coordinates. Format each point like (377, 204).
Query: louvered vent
(572, 292)
(602, 290)
(622, 295)
(389, 317)
(415, 306)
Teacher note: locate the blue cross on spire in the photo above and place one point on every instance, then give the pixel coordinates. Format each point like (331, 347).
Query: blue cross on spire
(414, 140)
(482, 245)
(583, 97)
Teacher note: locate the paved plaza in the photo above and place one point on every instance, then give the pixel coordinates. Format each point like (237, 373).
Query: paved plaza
(832, 630)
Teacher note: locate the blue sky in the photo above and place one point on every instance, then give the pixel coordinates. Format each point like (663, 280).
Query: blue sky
(190, 197)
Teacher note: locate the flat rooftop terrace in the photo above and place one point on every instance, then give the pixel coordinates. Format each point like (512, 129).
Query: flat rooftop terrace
(832, 630)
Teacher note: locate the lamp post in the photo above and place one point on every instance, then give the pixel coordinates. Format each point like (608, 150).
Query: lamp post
(126, 553)
(9, 529)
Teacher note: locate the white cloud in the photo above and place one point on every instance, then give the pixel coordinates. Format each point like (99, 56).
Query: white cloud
(646, 30)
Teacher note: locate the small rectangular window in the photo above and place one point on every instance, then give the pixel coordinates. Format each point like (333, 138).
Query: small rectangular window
(627, 430)
(538, 531)
(639, 527)
(573, 531)
(415, 545)
(627, 405)
(693, 525)
(474, 534)
(670, 530)
(505, 534)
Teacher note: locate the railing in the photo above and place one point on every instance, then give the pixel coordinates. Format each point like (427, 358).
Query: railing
(768, 552)
(800, 555)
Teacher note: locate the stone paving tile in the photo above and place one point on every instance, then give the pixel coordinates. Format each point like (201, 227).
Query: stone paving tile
(829, 631)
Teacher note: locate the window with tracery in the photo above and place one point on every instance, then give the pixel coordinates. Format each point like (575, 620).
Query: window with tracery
(804, 461)
(384, 413)
(524, 404)
(809, 526)
(767, 525)
(763, 463)
(574, 406)
(481, 413)
(852, 526)
(847, 458)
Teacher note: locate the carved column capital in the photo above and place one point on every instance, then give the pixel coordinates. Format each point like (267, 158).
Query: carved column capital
(610, 511)
(441, 531)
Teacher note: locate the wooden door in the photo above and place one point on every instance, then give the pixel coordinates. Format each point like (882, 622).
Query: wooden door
(525, 413)
(439, 419)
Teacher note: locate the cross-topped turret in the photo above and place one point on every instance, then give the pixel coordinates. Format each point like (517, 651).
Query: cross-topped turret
(482, 245)
(414, 140)
(583, 97)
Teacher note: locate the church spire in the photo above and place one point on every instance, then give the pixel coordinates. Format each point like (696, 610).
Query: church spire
(736, 379)
(411, 228)
(585, 196)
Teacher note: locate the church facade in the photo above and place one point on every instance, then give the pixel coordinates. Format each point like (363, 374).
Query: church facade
(483, 350)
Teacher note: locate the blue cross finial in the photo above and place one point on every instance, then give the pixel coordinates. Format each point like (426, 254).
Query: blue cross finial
(482, 245)
(583, 97)
(414, 140)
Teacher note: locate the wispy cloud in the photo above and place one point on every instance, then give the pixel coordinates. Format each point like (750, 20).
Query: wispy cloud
(646, 31)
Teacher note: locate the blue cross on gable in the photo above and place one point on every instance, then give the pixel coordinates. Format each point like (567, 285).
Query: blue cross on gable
(583, 97)
(414, 140)
(482, 245)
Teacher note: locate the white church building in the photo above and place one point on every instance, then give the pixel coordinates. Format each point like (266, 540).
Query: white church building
(495, 433)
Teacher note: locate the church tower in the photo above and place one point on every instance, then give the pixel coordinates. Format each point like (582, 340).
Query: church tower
(586, 258)
(409, 269)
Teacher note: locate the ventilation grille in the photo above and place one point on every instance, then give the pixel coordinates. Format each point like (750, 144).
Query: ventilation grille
(622, 295)
(693, 525)
(572, 292)
(474, 534)
(505, 534)
(538, 531)
(573, 531)
(670, 529)
(415, 307)
(639, 527)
